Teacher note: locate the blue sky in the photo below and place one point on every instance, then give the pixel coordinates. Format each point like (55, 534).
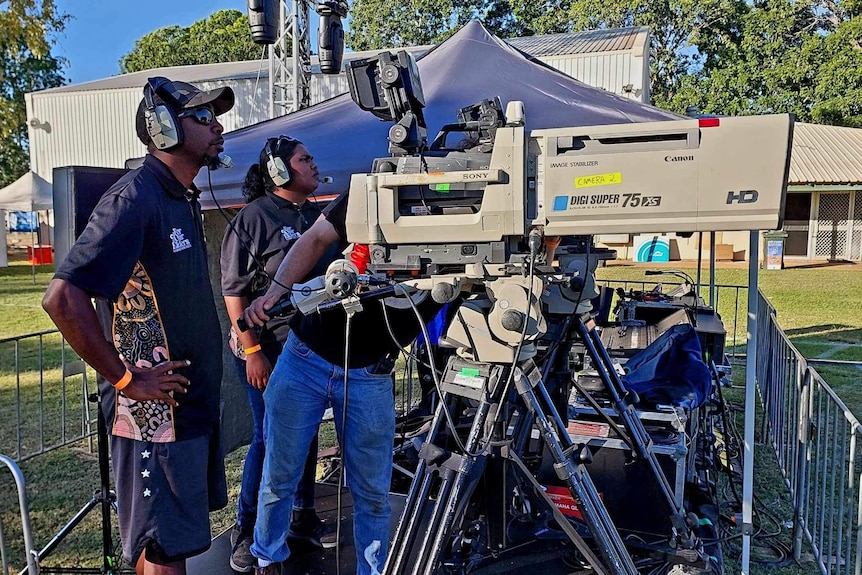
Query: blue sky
(102, 31)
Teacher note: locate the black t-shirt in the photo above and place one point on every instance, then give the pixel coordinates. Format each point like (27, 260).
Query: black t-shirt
(268, 226)
(370, 339)
(143, 250)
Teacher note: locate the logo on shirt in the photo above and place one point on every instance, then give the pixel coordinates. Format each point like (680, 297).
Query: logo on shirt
(179, 241)
(289, 233)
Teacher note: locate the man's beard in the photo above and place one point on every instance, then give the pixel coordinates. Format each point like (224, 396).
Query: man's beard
(211, 161)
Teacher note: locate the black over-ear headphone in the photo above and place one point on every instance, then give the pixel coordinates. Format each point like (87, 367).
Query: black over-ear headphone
(162, 122)
(278, 170)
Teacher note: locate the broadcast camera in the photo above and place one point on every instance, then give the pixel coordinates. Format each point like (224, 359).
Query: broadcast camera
(674, 176)
(470, 214)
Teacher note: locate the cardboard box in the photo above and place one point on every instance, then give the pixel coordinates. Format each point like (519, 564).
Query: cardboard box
(724, 252)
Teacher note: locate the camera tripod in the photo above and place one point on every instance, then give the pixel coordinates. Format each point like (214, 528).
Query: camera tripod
(104, 499)
(456, 516)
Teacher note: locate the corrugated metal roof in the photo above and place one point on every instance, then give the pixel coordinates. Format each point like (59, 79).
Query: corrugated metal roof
(205, 72)
(591, 41)
(826, 155)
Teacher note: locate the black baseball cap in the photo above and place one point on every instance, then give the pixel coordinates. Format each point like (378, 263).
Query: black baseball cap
(186, 97)
(179, 96)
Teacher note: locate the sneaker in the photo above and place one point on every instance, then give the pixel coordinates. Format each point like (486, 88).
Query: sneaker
(271, 569)
(241, 559)
(329, 539)
(306, 527)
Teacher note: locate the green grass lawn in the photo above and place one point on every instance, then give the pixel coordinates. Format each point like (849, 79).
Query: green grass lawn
(819, 308)
(20, 299)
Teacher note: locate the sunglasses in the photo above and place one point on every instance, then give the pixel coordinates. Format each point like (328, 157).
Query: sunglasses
(205, 116)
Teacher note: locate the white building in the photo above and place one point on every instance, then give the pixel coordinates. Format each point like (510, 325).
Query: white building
(92, 123)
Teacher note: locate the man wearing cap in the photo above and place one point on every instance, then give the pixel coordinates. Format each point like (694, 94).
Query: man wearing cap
(157, 347)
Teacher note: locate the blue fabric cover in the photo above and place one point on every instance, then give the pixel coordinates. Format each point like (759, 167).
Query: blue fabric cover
(671, 371)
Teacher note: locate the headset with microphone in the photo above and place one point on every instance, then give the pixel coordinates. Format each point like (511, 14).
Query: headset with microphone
(162, 122)
(278, 170)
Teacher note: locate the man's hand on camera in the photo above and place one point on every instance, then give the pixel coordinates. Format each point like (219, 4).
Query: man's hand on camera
(255, 314)
(157, 382)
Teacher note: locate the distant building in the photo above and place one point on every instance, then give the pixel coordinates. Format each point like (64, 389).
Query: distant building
(92, 123)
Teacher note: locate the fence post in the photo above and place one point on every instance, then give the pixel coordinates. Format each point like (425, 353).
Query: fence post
(803, 453)
(764, 373)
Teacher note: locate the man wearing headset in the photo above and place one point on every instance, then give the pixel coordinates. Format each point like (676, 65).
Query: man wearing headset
(157, 348)
(308, 377)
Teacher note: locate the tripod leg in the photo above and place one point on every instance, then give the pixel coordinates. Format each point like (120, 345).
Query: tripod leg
(456, 488)
(417, 496)
(458, 478)
(107, 497)
(104, 498)
(595, 514)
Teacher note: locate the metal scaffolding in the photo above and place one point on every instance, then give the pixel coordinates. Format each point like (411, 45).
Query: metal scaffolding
(290, 61)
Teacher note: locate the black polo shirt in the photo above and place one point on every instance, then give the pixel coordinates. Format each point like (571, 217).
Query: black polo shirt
(268, 227)
(150, 224)
(370, 340)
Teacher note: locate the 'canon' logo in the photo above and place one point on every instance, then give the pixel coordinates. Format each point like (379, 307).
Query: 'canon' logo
(679, 158)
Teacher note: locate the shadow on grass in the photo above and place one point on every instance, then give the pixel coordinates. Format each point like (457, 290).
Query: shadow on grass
(827, 332)
(823, 264)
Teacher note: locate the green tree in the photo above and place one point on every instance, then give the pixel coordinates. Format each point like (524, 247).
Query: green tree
(376, 24)
(223, 37)
(31, 23)
(838, 77)
(27, 32)
(791, 56)
(685, 34)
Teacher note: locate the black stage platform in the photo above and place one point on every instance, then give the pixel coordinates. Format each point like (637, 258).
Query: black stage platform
(307, 560)
(312, 561)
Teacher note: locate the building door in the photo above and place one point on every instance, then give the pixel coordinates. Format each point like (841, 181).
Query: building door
(832, 236)
(797, 219)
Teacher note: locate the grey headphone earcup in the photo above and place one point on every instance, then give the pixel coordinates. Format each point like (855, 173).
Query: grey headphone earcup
(278, 171)
(163, 127)
(162, 122)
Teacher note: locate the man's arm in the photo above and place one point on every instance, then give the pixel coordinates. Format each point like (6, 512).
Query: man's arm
(72, 311)
(300, 260)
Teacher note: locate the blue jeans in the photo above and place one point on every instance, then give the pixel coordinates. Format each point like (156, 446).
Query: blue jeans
(302, 386)
(252, 469)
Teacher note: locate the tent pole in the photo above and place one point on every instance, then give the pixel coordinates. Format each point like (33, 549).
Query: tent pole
(34, 237)
(712, 270)
(750, 382)
(699, 261)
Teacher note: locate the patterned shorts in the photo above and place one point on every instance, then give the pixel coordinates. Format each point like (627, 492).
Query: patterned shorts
(165, 492)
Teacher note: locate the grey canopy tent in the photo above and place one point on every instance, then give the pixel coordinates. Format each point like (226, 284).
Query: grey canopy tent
(470, 66)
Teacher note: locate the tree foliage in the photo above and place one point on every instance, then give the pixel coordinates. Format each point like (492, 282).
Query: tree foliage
(723, 56)
(223, 37)
(27, 32)
(685, 34)
(376, 24)
(31, 23)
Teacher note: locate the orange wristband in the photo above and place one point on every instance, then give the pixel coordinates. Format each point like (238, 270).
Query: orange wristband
(252, 349)
(124, 381)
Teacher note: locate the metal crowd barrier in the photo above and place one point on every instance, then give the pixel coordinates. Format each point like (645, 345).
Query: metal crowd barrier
(27, 531)
(43, 396)
(811, 430)
(816, 440)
